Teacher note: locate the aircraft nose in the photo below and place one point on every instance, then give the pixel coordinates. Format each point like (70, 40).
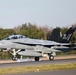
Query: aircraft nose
(4, 44)
(1, 43)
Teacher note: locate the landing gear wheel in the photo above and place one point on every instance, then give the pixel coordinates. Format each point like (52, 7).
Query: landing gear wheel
(14, 58)
(51, 57)
(36, 58)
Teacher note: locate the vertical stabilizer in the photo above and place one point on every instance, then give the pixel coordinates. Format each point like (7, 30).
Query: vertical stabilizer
(58, 37)
(67, 35)
(55, 35)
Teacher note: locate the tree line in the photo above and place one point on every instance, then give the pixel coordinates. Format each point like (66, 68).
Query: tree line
(31, 31)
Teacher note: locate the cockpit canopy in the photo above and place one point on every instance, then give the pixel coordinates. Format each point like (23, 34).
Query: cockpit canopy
(15, 37)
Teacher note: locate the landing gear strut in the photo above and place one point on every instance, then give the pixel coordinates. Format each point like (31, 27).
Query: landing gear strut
(15, 56)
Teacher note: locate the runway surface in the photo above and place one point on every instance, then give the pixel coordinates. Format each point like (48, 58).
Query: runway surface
(33, 63)
(60, 72)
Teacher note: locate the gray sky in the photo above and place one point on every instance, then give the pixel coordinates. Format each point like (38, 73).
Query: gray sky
(50, 13)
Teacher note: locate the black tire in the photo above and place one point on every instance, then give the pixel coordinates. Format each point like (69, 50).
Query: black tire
(14, 58)
(51, 57)
(36, 58)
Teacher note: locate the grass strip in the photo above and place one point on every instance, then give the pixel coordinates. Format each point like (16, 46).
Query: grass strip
(51, 67)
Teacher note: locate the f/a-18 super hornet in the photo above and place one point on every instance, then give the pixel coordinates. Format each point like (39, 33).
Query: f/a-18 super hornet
(37, 48)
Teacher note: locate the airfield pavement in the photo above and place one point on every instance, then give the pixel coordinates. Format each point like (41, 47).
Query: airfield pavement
(43, 61)
(56, 58)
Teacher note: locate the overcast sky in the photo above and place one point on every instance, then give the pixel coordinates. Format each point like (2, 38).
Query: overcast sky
(50, 13)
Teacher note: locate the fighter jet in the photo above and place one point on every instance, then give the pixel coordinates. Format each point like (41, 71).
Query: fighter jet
(37, 47)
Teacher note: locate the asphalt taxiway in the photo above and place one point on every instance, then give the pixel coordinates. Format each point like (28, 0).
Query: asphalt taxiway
(33, 63)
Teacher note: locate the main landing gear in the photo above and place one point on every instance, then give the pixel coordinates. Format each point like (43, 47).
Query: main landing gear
(36, 58)
(51, 57)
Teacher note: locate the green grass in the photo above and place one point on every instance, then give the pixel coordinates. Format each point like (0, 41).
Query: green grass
(22, 69)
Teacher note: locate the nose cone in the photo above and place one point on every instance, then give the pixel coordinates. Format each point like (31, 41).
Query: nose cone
(4, 44)
(1, 44)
